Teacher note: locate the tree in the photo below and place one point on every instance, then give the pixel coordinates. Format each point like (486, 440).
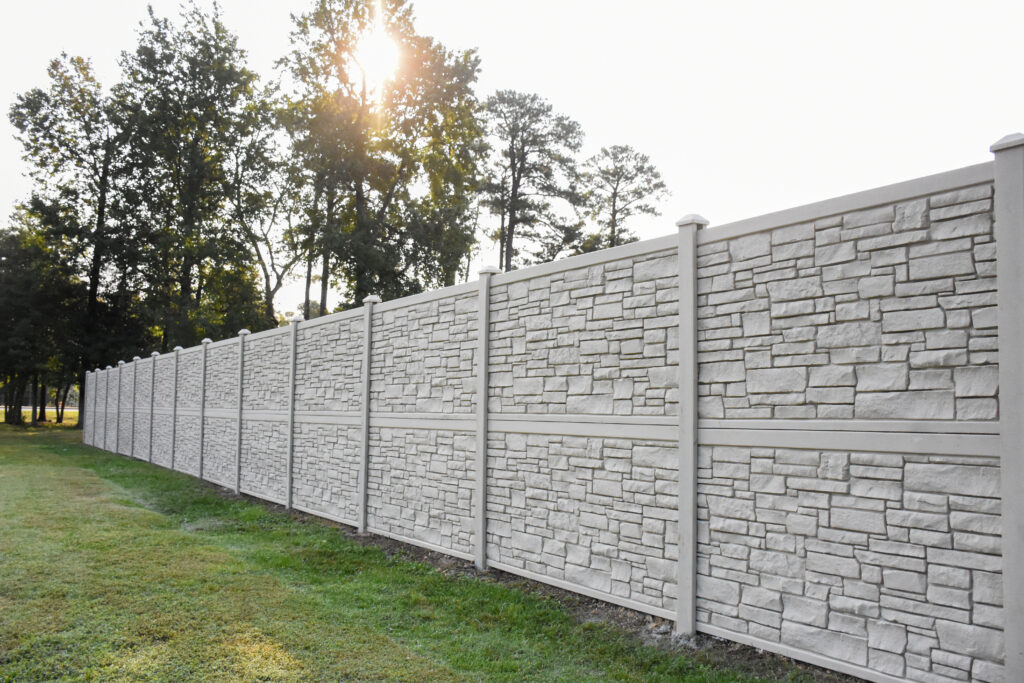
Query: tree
(533, 182)
(77, 151)
(390, 166)
(622, 183)
(193, 106)
(40, 301)
(264, 194)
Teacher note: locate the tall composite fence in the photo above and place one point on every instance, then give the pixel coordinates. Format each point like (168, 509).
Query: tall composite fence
(784, 431)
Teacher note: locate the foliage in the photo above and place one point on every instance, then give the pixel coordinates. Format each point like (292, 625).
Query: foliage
(622, 183)
(176, 203)
(192, 107)
(40, 299)
(390, 167)
(533, 184)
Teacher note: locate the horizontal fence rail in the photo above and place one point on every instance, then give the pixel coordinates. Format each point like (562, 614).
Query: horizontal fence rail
(785, 431)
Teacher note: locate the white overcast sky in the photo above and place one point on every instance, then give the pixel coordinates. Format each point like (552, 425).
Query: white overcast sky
(745, 107)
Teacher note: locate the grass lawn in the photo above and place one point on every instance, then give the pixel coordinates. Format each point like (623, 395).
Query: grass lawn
(113, 569)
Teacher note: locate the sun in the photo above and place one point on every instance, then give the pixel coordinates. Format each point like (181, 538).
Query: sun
(377, 54)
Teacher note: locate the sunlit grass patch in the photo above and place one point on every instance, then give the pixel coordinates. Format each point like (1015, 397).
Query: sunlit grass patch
(114, 569)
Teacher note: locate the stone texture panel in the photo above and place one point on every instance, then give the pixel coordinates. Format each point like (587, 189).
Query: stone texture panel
(219, 451)
(222, 377)
(326, 469)
(886, 313)
(886, 561)
(267, 361)
(162, 438)
(265, 459)
(186, 445)
(421, 485)
(111, 409)
(599, 513)
(142, 409)
(423, 357)
(328, 366)
(601, 340)
(124, 442)
(164, 391)
(190, 368)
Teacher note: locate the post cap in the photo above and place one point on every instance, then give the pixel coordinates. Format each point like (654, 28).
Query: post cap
(243, 332)
(372, 299)
(297, 318)
(109, 368)
(1007, 141)
(693, 219)
(98, 370)
(135, 358)
(207, 340)
(178, 348)
(155, 354)
(120, 363)
(490, 270)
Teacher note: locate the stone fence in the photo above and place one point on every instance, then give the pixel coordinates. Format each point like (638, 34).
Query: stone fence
(784, 431)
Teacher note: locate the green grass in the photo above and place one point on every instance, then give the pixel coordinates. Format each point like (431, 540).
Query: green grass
(113, 569)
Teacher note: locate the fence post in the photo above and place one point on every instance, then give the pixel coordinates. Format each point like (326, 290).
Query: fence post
(482, 384)
(242, 334)
(686, 577)
(95, 404)
(291, 406)
(106, 404)
(364, 456)
(82, 402)
(1009, 233)
(117, 409)
(135, 397)
(202, 405)
(152, 392)
(95, 385)
(174, 406)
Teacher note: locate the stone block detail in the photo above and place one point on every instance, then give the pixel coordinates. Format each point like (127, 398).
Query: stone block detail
(899, 309)
(423, 357)
(267, 362)
(328, 364)
(421, 485)
(600, 513)
(600, 340)
(124, 427)
(885, 561)
(326, 470)
(222, 377)
(219, 443)
(265, 459)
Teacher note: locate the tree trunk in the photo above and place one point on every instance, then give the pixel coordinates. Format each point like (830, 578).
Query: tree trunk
(268, 309)
(42, 403)
(325, 278)
(309, 282)
(35, 397)
(81, 400)
(61, 404)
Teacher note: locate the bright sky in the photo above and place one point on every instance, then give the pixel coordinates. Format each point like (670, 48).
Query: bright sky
(745, 107)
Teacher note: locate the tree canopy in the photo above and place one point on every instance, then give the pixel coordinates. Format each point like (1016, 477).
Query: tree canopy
(177, 202)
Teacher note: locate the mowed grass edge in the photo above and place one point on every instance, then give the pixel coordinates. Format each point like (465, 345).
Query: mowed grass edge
(114, 569)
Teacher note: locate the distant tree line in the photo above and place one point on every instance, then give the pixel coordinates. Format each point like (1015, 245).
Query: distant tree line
(174, 204)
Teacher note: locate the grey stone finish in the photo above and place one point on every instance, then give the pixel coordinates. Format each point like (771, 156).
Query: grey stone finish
(909, 289)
